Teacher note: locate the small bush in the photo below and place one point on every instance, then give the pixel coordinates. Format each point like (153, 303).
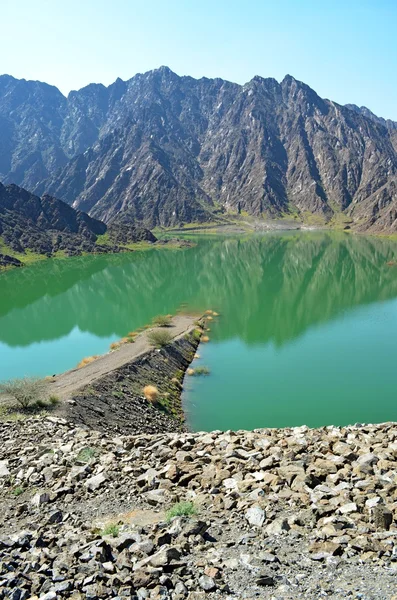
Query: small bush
(151, 393)
(86, 361)
(86, 455)
(181, 509)
(159, 338)
(163, 321)
(112, 529)
(200, 371)
(27, 391)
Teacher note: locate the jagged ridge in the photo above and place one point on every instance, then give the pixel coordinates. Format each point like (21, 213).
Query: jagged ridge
(169, 149)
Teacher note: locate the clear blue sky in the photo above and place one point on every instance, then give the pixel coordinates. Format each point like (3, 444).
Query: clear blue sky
(345, 50)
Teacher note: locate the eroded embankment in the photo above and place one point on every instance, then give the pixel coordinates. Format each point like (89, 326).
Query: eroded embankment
(281, 513)
(114, 402)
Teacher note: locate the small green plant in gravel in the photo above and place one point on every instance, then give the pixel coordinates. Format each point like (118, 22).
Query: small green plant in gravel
(111, 529)
(181, 509)
(17, 491)
(163, 321)
(86, 455)
(159, 338)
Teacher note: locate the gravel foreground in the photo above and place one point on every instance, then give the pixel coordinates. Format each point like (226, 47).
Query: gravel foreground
(281, 513)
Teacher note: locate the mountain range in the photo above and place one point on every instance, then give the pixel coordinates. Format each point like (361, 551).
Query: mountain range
(161, 149)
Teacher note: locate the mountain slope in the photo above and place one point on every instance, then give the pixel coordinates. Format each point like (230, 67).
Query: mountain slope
(44, 226)
(168, 149)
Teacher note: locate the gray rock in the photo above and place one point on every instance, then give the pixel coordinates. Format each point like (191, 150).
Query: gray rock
(278, 526)
(206, 583)
(94, 483)
(40, 498)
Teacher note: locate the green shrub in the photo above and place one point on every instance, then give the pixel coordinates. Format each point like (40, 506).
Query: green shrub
(163, 321)
(17, 491)
(112, 529)
(27, 391)
(159, 338)
(181, 509)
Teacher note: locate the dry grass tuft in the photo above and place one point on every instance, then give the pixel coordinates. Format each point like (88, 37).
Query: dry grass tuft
(190, 371)
(159, 338)
(176, 382)
(163, 321)
(205, 338)
(196, 355)
(215, 314)
(151, 393)
(208, 312)
(115, 345)
(209, 318)
(127, 340)
(86, 361)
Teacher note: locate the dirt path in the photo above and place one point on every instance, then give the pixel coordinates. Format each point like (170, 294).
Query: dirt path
(68, 383)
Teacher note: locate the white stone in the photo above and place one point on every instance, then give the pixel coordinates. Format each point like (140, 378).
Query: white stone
(348, 508)
(255, 516)
(4, 470)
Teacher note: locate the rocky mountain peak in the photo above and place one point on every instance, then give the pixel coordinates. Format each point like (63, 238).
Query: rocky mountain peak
(170, 149)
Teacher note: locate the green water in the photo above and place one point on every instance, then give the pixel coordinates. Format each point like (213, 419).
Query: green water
(307, 333)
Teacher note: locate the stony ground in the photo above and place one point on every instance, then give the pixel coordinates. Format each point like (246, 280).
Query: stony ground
(281, 514)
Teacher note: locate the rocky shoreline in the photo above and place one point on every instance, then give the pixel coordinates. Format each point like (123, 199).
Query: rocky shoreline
(114, 403)
(281, 513)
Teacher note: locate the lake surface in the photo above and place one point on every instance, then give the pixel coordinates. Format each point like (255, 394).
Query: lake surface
(307, 332)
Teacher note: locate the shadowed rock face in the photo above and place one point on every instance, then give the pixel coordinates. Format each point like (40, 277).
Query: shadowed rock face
(168, 149)
(44, 224)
